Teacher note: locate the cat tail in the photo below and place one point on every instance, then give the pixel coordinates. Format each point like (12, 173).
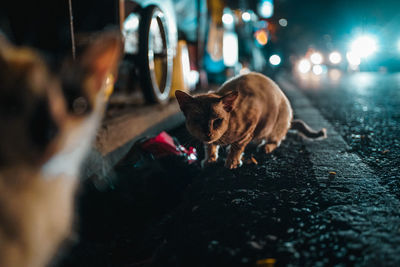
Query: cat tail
(306, 130)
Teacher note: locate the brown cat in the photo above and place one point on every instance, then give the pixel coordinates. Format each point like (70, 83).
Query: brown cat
(43, 141)
(246, 108)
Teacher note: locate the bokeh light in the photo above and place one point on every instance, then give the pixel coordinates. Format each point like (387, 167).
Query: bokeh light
(193, 78)
(227, 19)
(275, 60)
(364, 46)
(266, 9)
(316, 58)
(304, 65)
(261, 37)
(230, 50)
(317, 69)
(335, 57)
(353, 58)
(283, 22)
(246, 16)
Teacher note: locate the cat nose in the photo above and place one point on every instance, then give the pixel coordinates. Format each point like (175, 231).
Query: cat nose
(209, 134)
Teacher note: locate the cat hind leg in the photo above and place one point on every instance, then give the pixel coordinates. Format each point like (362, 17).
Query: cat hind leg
(280, 129)
(267, 146)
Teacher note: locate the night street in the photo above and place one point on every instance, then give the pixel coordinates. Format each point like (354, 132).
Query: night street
(312, 203)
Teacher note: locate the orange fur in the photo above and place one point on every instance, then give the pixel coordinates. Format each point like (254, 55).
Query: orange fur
(251, 107)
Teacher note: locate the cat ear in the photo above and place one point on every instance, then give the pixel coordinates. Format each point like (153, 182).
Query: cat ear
(229, 100)
(101, 58)
(184, 99)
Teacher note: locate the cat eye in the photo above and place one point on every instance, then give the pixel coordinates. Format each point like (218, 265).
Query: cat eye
(217, 123)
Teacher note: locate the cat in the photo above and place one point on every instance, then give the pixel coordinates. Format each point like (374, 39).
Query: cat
(45, 135)
(249, 107)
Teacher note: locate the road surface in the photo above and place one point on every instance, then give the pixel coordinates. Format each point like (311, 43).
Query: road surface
(309, 203)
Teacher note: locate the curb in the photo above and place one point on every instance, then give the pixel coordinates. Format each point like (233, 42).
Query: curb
(99, 166)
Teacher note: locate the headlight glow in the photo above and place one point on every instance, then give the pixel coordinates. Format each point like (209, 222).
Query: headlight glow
(304, 66)
(364, 46)
(353, 58)
(316, 58)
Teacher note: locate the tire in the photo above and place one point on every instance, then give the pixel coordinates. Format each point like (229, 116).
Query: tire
(155, 56)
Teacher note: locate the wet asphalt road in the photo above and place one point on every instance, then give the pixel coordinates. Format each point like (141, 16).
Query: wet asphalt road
(322, 203)
(365, 109)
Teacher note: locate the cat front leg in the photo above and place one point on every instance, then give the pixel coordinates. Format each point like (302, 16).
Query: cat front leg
(234, 158)
(211, 154)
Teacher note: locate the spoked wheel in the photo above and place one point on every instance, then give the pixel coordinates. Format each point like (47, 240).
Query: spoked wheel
(155, 55)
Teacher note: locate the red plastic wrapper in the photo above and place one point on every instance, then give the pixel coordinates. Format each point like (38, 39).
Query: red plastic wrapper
(164, 145)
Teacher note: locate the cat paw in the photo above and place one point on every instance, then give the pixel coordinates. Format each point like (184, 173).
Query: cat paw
(207, 162)
(233, 164)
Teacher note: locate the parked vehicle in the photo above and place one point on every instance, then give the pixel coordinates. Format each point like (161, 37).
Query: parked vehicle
(151, 38)
(149, 27)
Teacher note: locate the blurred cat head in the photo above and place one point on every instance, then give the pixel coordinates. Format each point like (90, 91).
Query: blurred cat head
(39, 107)
(207, 116)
